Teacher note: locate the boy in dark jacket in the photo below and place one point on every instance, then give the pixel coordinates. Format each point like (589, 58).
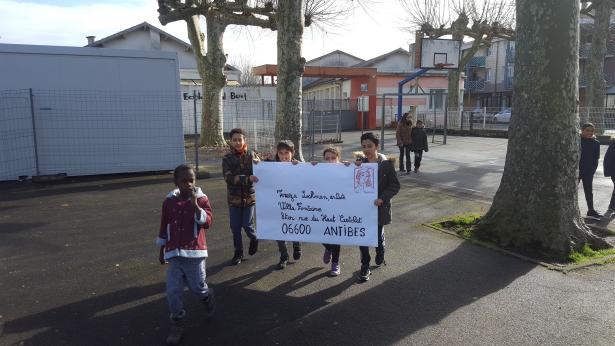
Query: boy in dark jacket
(588, 163)
(388, 187)
(237, 171)
(609, 171)
(419, 143)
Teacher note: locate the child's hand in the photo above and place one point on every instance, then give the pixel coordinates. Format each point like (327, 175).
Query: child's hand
(256, 161)
(314, 163)
(193, 197)
(346, 163)
(378, 202)
(358, 163)
(253, 179)
(294, 161)
(161, 256)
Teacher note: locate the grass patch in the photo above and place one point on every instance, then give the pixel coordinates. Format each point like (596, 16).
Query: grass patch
(588, 254)
(463, 225)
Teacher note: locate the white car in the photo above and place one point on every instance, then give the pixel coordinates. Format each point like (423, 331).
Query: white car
(502, 117)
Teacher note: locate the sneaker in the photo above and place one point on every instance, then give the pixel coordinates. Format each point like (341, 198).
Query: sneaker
(175, 333)
(408, 172)
(335, 269)
(237, 259)
(364, 274)
(253, 247)
(282, 264)
(609, 213)
(296, 253)
(210, 302)
(592, 214)
(326, 258)
(416, 170)
(380, 258)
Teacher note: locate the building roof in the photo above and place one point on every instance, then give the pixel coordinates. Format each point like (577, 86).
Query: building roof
(147, 26)
(337, 51)
(382, 57)
(141, 26)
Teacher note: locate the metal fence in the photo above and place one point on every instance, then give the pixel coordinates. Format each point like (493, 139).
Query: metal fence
(47, 132)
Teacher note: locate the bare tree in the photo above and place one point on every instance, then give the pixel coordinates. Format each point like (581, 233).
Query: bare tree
(247, 78)
(536, 206)
(482, 21)
(600, 12)
(218, 15)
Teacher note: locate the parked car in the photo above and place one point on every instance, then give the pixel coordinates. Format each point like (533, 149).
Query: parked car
(502, 117)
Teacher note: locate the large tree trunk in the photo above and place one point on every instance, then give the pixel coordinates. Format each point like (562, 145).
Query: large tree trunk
(536, 206)
(458, 28)
(290, 22)
(596, 87)
(211, 67)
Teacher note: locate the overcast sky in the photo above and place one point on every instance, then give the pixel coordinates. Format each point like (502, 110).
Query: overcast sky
(366, 33)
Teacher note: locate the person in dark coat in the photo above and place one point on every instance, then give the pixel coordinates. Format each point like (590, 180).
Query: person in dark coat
(609, 171)
(419, 143)
(404, 140)
(588, 163)
(388, 187)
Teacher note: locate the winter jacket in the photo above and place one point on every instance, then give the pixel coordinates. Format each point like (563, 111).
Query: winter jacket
(419, 139)
(403, 134)
(388, 187)
(609, 161)
(182, 227)
(590, 154)
(240, 194)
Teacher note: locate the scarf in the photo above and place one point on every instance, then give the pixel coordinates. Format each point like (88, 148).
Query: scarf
(241, 151)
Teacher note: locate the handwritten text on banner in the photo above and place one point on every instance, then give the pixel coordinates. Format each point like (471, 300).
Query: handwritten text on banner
(326, 203)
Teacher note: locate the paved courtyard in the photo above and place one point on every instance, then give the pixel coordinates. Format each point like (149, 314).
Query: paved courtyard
(78, 266)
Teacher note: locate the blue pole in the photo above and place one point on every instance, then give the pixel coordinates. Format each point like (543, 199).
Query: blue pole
(400, 87)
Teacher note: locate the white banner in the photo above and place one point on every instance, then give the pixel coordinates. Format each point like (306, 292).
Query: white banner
(326, 203)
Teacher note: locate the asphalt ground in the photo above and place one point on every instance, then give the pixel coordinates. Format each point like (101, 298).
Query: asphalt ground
(78, 266)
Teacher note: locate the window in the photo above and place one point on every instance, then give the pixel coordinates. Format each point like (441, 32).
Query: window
(488, 75)
(488, 51)
(436, 98)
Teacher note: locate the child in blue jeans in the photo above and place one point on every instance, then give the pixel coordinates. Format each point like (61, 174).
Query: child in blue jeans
(186, 214)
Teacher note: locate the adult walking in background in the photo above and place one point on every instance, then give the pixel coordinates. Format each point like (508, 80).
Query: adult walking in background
(404, 140)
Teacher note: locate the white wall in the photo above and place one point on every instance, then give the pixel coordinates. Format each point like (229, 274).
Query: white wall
(95, 111)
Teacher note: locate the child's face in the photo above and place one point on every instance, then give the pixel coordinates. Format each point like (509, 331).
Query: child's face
(369, 148)
(238, 141)
(588, 132)
(419, 125)
(285, 155)
(331, 157)
(186, 181)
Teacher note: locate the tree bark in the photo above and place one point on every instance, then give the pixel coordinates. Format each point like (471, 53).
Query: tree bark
(458, 28)
(596, 86)
(290, 23)
(536, 208)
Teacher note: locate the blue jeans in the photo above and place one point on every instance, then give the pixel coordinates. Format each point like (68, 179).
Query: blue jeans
(184, 271)
(241, 218)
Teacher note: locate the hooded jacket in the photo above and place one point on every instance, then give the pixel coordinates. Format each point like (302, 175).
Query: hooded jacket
(590, 155)
(182, 227)
(403, 133)
(388, 187)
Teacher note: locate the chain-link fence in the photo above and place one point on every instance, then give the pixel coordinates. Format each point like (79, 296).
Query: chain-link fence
(49, 132)
(602, 118)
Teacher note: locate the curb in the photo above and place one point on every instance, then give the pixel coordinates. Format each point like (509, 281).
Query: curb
(557, 267)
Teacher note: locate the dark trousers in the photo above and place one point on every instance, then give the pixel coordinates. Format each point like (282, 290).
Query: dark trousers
(335, 252)
(404, 150)
(612, 204)
(365, 257)
(241, 218)
(418, 156)
(283, 250)
(587, 189)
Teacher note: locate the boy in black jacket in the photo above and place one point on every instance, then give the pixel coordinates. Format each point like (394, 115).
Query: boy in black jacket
(588, 163)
